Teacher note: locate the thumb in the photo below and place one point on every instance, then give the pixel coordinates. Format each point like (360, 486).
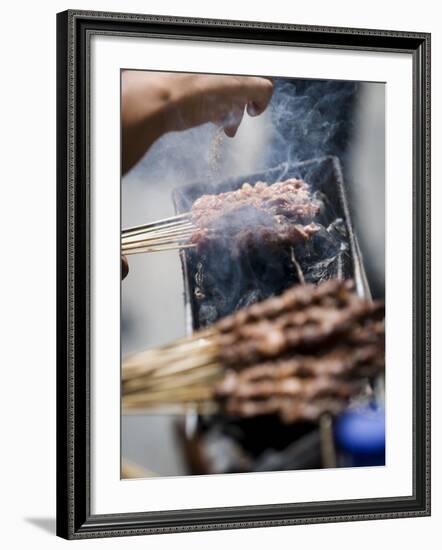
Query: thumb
(233, 121)
(124, 267)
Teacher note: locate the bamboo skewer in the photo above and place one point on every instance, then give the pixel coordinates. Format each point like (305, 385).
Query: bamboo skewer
(177, 235)
(153, 226)
(193, 394)
(206, 371)
(210, 372)
(150, 243)
(177, 374)
(175, 232)
(202, 369)
(166, 239)
(154, 248)
(151, 235)
(168, 234)
(148, 361)
(170, 367)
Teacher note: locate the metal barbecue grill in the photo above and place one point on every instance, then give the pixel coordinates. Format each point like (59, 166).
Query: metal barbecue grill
(336, 253)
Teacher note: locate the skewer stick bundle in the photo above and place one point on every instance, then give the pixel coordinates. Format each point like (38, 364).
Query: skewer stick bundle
(298, 355)
(169, 234)
(282, 211)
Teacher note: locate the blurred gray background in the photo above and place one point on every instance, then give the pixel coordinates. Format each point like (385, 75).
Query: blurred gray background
(305, 119)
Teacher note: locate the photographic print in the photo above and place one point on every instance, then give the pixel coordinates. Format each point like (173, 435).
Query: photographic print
(243, 263)
(252, 325)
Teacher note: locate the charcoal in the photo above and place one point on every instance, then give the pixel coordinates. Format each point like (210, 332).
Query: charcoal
(338, 229)
(227, 279)
(323, 270)
(321, 245)
(321, 258)
(250, 297)
(199, 294)
(207, 314)
(199, 275)
(325, 177)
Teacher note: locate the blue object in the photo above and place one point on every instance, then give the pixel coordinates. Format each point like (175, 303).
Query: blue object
(360, 436)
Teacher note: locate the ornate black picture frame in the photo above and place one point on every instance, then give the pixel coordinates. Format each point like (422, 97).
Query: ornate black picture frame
(74, 518)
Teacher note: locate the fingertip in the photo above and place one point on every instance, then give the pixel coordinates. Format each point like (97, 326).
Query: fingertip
(124, 267)
(261, 101)
(230, 131)
(252, 109)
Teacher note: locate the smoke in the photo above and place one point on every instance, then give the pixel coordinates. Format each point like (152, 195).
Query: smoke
(305, 119)
(310, 119)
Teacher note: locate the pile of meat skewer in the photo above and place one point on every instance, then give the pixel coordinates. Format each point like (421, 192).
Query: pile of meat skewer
(259, 215)
(254, 215)
(299, 355)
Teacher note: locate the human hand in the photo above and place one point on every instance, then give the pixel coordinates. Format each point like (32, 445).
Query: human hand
(155, 103)
(221, 99)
